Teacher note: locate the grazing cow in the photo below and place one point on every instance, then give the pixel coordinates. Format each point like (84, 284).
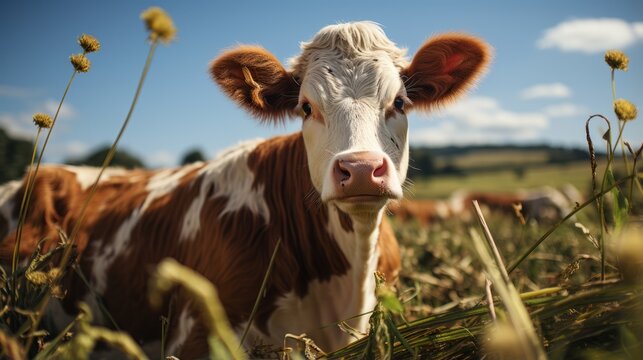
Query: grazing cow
(425, 212)
(321, 191)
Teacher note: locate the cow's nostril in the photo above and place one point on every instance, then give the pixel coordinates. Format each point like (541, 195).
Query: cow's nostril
(344, 173)
(380, 171)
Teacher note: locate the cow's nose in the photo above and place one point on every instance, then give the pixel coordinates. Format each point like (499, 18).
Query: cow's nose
(361, 173)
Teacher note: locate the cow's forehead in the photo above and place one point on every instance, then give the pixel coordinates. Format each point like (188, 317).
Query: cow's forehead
(348, 42)
(331, 79)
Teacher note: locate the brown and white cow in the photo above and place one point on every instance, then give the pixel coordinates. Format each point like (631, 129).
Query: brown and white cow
(321, 191)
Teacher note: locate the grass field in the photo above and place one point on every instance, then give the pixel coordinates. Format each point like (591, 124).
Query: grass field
(577, 174)
(484, 286)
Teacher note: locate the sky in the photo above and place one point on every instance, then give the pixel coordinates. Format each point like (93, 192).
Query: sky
(547, 76)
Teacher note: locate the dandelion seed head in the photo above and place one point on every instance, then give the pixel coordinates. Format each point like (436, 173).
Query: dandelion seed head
(42, 120)
(625, 110)
(81, 62)
(88, 43)
(159, 23)
(617, 59)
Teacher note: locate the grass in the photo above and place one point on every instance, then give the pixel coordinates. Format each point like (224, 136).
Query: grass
(577, 292)
(441, 187)
(489, 158)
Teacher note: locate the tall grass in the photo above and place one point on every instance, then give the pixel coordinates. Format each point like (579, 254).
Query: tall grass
(562, 293)
(596, 316)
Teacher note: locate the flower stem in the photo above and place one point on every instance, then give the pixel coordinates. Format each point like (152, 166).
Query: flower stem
(23, 206)
(31, 180)
(78, 223)
(110, 154)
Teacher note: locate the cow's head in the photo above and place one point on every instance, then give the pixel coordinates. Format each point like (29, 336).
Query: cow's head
(352, 88)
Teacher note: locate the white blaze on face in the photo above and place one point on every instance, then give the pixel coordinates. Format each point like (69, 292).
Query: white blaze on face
(351, 88)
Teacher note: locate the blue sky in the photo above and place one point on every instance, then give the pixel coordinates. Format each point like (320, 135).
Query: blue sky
(547, 77)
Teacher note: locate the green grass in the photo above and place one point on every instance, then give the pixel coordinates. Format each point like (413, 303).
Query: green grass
(577, 174)
(489, 158)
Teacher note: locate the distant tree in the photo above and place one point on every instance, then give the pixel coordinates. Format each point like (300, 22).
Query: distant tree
(421, 164)
(191, 156)
(451, 169)
(561, 155)
(15, 155)
(122, 158)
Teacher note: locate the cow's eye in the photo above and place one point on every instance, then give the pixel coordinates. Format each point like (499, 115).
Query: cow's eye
(399, 103)
(306, 109)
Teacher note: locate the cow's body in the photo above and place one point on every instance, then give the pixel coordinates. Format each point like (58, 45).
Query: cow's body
(320, 191)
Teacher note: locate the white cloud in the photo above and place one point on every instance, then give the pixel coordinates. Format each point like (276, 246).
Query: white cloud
(481, 120)
(591, 35)
(16, 92)
(638, 29)
(485, 112)
(66, 111)
(16, 128)
(161, 158)
(453, 134)
(565, 110)
(21, 124)
(75, 149)
(554, 90)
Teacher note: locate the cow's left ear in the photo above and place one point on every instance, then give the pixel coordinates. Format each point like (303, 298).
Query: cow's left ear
(256, 80)
(443, 68)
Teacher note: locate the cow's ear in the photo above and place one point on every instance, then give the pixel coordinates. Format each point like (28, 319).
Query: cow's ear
(443, 68)
(256, 80)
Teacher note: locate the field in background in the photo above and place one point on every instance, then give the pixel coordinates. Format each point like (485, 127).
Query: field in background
(440, 187)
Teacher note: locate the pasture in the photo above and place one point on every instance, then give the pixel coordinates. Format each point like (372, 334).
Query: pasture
(486, 285)
(499, 181)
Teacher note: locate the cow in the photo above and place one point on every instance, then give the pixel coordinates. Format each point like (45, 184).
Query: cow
(423, 211)
(320, 191)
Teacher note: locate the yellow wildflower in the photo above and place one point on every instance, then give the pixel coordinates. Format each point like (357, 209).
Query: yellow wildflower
(88, 43)
(37, 277)
(616, 59)
(42, 120)
(81, 62)
(159, 23)
(625, 110)
(54, 274)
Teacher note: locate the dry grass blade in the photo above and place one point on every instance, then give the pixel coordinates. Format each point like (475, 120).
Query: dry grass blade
(533, 247)
(492, 244)
(170, 273)
(11, 348)
(86, 337)
(518, 315)
(261, 293)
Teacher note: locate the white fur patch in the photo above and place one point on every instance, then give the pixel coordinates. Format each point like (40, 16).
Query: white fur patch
(231, 177)
(86, 175)
(328, 302)
(183, 328)
(161, 184)
(7, 191)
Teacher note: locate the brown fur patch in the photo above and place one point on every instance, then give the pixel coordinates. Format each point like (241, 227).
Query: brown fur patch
(389, 261)
(308, 252)
(4, 227)
(444, 68)
(345, 220)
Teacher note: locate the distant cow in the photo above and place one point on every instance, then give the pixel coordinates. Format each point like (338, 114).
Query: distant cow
(423, 211)
(321, 191)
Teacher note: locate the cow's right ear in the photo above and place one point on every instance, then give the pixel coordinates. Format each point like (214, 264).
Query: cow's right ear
(256, 80)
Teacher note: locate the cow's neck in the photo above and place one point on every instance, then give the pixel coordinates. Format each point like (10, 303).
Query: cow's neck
(361, 250)
(333, 249)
